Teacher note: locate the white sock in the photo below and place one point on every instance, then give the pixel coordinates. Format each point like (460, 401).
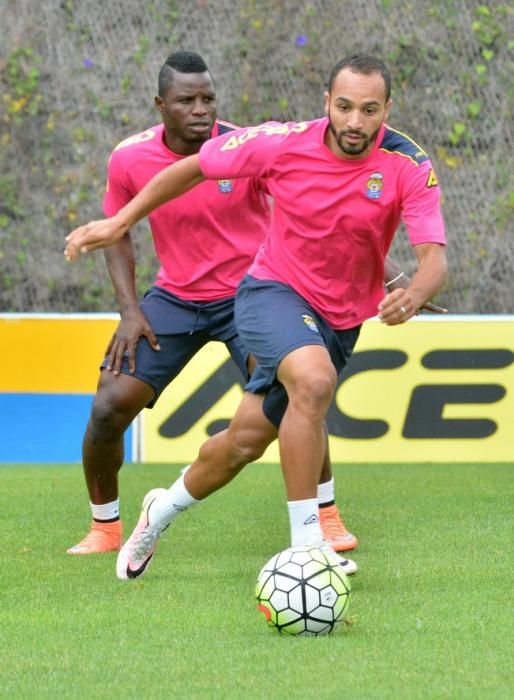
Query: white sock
(326, 492)
(304, 522)
(106, 511)
(165, 508)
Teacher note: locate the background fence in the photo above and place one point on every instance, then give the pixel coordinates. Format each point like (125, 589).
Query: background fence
(77, 76)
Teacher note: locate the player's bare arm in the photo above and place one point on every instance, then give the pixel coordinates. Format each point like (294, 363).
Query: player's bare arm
(121, 264)
(401, 304)
(168, 184)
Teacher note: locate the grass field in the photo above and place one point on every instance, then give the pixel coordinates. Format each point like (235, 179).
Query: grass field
(431, 613)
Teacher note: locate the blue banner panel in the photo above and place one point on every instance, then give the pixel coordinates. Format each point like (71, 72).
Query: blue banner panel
(46, 427)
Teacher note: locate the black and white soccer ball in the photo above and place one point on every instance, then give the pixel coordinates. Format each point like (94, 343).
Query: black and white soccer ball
(303, 591)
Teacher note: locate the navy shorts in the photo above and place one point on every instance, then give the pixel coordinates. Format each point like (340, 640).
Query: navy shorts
(272, 321)
(182, 329)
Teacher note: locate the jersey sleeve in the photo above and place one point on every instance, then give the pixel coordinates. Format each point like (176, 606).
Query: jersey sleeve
(117, 192)
(247, 152)
(421, 205)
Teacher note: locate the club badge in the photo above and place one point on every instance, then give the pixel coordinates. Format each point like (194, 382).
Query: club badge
(375, 185)
(225, 186)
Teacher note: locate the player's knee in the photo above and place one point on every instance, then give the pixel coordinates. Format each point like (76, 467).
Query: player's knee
(314, 391)
(109, 417)
(248, 446)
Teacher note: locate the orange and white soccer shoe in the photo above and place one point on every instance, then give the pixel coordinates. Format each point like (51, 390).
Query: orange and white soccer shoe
(103, 537)
(334, 531)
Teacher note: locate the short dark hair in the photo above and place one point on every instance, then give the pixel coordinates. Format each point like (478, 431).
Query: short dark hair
(182, 62)
(362, 63)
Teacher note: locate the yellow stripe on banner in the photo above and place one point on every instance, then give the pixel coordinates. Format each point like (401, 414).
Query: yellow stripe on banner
(52, 354)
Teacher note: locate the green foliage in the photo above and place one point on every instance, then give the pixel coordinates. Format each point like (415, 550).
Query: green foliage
(22, 77)
(11, 205)
(488, 27)
(22, 72)
(474, 109)
(458, 133)
(165, 14)
(125, 84)
(69, 94)
(142, 50)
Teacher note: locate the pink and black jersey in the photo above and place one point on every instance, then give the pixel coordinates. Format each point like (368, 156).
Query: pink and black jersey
(205, 239)
(333, 219)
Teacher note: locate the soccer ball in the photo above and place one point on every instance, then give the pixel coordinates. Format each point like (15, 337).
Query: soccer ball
(303, 591)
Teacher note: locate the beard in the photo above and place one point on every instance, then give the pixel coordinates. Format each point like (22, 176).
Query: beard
(352, 149)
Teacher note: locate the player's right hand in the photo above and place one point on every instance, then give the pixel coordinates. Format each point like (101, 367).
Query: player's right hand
(94, 235)
(131, 327)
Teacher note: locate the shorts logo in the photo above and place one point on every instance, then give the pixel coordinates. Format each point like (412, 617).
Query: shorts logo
(310, 322)
(375, 184)
(225, 186)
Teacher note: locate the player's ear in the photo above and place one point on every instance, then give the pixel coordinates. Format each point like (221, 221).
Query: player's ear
(326, 100)
(388, 106)
(159, 103)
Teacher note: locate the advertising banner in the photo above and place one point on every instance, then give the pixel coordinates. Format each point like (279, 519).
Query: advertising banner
(48, 377)
(436, 389)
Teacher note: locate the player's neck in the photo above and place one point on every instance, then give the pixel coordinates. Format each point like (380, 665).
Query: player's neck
(178, 146)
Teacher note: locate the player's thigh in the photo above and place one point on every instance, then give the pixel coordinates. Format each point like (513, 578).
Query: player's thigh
(273, 321)
(158, 368)
(241, 357)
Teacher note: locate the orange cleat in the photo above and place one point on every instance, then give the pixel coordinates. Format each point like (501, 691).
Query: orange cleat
(103, 537)
(335, 533)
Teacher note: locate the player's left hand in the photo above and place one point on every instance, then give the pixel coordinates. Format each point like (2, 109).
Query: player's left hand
(396, 307)
(402, 282)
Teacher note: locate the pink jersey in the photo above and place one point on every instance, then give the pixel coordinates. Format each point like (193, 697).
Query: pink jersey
(333, 219)
(205, 239)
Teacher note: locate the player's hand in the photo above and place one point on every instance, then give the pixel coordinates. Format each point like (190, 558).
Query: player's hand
(403, 282)
(396, 307)
(94, 235)
(132, 326)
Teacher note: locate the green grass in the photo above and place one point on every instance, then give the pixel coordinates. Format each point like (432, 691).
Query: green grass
(431, 612)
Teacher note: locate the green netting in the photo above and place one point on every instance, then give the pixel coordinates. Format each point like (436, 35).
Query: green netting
(78, 76)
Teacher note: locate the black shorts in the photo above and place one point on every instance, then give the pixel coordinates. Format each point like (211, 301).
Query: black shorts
(272, 321)
(182, 329)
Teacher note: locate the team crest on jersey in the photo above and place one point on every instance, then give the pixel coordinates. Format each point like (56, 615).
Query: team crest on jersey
(225, 186)
(375, 185)
(310, 323)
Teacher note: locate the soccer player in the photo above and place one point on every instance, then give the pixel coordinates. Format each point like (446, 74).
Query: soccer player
(341, 185)
(205, 242)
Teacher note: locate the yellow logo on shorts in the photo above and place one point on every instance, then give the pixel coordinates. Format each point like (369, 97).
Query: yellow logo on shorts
(310, 322)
